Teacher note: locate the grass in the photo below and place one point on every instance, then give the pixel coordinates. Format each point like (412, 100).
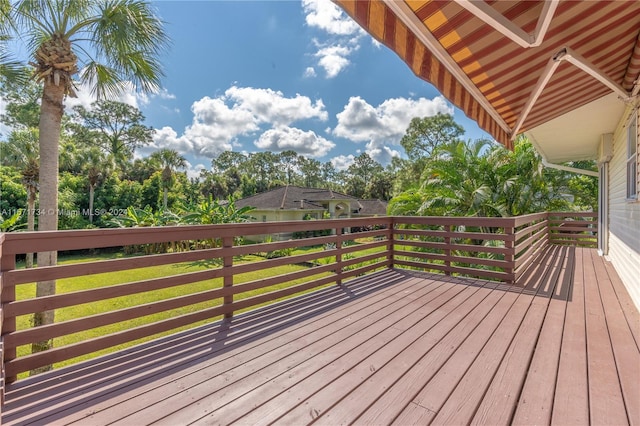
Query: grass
(27, 291)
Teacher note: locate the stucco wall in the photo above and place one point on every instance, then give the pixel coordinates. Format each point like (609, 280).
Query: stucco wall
(624, 216)
(278, 216)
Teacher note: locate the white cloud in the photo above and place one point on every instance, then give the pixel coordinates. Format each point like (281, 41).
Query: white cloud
(309, 72)
(243, 111)
(385, 124)
(342, 162)
(344, 36)
(334, 59)
(380, 152)
(285, 138)
(271, 106)
(327, 16)
(359, 121)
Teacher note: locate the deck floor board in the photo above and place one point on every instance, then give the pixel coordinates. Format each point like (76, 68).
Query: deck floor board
(393, 347)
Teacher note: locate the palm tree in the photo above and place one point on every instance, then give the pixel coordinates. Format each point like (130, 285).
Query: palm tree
(108, 43)
(95, 168)
(169, 160)
(21, 151)
(456, 181)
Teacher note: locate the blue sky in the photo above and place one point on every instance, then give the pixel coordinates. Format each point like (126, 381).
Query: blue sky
(274, 75)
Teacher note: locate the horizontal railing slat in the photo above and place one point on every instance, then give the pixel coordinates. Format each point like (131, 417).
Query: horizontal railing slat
(454, 234)
(468, 271)
(454, 246)
(453, 258)
(39, 304)
(530, 229)
(21, 276)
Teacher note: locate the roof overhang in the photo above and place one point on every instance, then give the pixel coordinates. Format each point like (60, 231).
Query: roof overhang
(561, 140)
(560, 71)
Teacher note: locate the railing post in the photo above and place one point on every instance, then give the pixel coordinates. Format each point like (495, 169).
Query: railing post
(391, 242)
(7, 325)
(338, 233)
(510, 256)
(447, 250)
(227, 244)
(547, 236)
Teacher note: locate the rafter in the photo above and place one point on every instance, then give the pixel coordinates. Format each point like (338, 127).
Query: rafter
(495, 19)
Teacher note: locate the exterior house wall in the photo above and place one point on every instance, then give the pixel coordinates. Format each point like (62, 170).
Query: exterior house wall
(624, 216)
(279, 216)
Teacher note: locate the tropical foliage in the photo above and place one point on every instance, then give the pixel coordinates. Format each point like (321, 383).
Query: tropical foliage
(484, 179)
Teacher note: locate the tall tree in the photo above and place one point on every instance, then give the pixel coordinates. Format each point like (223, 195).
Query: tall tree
(115, 127)
(425, 134)
(361, 173)
(289, 164)
(169, 160)
(22, 96)
(311, 170)
(96, 168)
(328, 175)
(112, 42)
(263, 166)
(21, 151)
(227, 160)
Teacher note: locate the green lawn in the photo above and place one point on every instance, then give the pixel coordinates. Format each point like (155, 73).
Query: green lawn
(27, 291)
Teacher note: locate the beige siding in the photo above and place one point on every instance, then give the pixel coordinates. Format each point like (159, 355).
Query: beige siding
(624, 217)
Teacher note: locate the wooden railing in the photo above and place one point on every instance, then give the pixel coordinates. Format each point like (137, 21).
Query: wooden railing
(211, 280)
(579, 229)
(452, 245)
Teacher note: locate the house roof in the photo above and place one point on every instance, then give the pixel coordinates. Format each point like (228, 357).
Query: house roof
(372, 207)
(549, 69)
(293, 197)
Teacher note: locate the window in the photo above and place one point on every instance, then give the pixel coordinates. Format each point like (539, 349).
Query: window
(632, 158)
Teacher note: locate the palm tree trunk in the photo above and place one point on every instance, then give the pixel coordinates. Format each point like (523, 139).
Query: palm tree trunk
(31, 210)
(164, 198)
(50, 118)
(91, 193)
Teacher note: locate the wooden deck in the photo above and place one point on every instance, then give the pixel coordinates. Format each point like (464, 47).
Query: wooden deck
(393, 347)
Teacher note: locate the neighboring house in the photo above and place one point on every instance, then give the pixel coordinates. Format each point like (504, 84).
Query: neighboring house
(370, 208)
(298, 203)
(565, 73)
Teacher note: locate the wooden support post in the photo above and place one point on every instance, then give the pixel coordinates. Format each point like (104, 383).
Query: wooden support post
(510, 257)
(8, 325)
(390, 244)
(338, 232)
(227, 244)
(447, 250)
